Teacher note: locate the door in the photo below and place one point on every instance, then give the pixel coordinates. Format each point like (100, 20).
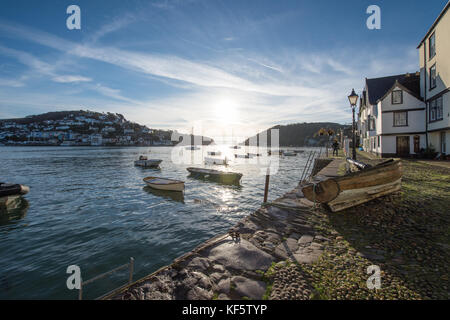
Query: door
(443, 144)
(403, 146)
(416, 144)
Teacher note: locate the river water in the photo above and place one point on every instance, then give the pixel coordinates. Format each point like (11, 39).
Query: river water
(89, 207)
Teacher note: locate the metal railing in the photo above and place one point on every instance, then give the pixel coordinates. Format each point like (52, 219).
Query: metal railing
(129, 265)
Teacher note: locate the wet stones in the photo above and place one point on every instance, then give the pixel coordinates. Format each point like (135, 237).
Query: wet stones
(244, 287)
(242, 256)
(199, 263)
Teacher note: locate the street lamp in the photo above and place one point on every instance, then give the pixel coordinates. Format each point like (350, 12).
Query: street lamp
(353, 98)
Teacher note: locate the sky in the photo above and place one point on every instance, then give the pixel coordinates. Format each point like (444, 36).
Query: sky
(231, 65)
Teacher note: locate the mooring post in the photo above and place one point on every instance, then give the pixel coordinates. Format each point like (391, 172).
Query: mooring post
(130, 278)
(266, 187)
(80, 291)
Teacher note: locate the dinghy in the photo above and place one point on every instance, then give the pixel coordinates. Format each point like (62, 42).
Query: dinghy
(10, 193)
(214, 153)
(221, 176)
(218, 161)
(352, 189)
(164, 184)
(147, 163)
(243, 156)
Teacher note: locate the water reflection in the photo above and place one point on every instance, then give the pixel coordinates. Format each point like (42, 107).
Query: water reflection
(15, 210)
(171, 195)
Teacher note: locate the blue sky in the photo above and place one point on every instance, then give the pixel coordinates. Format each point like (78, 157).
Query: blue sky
(234, 64)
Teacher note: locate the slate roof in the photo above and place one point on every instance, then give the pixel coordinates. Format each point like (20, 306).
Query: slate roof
(378, 87)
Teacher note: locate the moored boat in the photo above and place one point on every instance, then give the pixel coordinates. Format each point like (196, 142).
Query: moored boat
(192, 148)
(221, 176)
(10, 193)
(254, 154)
(147, 163)
(289, 154)
(243, 156)
(218, 161)
(164, 184)
(352, 189)
(214, 153)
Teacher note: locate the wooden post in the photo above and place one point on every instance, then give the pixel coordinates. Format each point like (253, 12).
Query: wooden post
(131, 270)
(266, 187)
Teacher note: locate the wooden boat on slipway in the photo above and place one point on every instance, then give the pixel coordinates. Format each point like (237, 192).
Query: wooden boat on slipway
(220, 176)
(164, 184)
(355, 188)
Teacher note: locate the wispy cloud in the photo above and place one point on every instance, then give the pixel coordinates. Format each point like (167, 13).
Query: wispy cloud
(285, 85)
(69, 79)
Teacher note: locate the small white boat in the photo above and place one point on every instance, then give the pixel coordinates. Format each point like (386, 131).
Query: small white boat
(218, 161)
(164, 184)
(243, 156)
(254, 154)
(147, 163)
(214, 153)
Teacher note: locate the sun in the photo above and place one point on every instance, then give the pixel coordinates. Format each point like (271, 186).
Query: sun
(226, 110)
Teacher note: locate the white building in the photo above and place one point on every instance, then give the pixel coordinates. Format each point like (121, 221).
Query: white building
(391, 116)
(434, 60)
(96, 140)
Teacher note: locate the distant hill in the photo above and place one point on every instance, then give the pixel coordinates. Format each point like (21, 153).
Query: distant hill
(76, 128)
(298, 134)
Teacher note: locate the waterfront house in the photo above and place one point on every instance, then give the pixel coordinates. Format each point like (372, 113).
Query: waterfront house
(434, 60)
(391, 116)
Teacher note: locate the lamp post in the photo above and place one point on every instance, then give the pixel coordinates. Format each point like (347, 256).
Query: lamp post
(353, 98)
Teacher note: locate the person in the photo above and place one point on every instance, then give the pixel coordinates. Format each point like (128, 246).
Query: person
(335, 147)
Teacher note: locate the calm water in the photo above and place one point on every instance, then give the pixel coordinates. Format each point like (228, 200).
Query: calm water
(89, 207)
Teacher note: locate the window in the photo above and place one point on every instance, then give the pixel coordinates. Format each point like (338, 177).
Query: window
(433, 77)
(397, 97)
(432, 43)
(379, 141)
(436, 111)
(371, 123)
(401, 119)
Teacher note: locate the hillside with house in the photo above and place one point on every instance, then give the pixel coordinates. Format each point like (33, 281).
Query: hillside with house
(81, 128)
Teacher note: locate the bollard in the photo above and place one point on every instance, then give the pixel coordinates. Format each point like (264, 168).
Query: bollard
(266, 187)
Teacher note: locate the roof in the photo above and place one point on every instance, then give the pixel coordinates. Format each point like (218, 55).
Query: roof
(435, 23)
(377, 88)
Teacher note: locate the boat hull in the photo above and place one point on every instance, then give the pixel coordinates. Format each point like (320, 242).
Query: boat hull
(164, 184)
(216, 175)
(216, 161)
(343, 192)
(147, 163)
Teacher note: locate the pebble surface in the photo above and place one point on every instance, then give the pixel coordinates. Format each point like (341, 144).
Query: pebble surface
(288, 250)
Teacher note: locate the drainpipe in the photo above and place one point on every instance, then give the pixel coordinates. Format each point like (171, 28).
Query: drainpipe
(425, 91)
